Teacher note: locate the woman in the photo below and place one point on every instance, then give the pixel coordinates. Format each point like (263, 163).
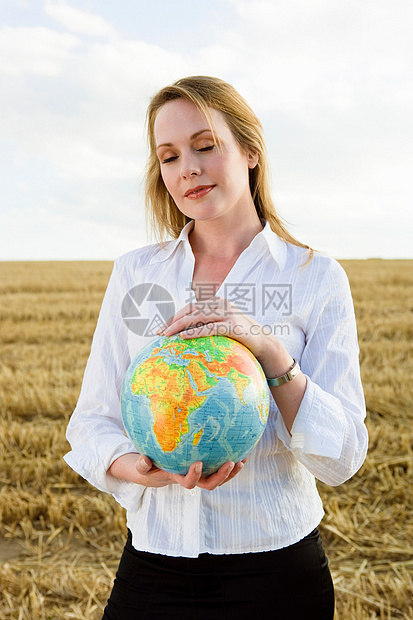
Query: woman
(244, 539)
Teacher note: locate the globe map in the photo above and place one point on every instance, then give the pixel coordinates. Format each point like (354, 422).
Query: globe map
(201, 399)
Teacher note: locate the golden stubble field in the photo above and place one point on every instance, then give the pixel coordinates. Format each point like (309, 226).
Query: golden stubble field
(60, 539)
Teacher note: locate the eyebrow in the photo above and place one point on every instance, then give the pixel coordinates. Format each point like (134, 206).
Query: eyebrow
(195, 135)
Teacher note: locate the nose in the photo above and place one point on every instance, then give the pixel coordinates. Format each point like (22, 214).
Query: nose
(190, 166)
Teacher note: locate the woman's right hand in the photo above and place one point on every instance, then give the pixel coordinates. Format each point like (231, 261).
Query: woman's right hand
(140, 469)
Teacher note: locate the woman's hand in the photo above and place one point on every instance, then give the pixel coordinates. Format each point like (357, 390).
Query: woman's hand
(140, 469)
(219, 317)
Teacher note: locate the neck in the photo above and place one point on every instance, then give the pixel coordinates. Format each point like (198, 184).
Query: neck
(224, 240)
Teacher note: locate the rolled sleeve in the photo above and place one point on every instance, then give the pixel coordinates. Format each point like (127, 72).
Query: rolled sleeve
(91, 461)
(319, 426)
(328, 435)
(95, 430)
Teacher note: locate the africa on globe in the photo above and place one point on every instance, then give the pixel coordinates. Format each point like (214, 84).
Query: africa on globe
(201, 399)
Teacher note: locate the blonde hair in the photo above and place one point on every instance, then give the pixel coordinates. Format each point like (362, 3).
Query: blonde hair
(163, 216)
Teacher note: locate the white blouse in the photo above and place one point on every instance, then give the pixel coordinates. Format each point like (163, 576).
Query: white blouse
(273, 502)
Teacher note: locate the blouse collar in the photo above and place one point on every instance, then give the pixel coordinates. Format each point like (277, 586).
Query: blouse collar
(266, 237)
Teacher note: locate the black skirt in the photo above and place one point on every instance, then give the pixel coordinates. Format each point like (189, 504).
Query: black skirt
(293, 583)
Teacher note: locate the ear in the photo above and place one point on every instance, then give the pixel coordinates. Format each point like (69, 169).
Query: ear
(253, 158)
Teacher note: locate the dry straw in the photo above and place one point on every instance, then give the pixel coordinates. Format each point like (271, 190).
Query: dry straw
(60, 540)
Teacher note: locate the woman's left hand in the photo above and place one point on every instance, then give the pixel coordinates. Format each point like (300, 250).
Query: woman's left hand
(219, 317)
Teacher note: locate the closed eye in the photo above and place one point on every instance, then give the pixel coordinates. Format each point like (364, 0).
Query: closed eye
(205, 149)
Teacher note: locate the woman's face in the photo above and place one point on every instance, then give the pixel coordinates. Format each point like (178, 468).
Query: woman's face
(205, 182)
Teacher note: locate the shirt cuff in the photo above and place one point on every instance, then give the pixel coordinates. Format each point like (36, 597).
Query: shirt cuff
(319, 426)
(92, 460)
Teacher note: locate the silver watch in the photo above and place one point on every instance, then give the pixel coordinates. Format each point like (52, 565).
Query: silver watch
(289, 376)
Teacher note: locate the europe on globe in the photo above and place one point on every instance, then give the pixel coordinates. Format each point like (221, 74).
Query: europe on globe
(201, 399)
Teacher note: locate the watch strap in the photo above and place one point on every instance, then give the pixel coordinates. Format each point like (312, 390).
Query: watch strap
(289, 376)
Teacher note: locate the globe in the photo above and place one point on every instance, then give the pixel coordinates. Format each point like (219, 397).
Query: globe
(201, 399)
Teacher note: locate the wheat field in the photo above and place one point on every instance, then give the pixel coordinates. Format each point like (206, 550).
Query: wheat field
(60, 539)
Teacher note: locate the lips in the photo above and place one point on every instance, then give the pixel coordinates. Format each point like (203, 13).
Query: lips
(198, 192)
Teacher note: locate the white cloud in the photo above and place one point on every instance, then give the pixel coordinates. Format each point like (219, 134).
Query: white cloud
(83, 117)
(42, 234)
(331, 82)
(37, 51)
(88, 116)
(322, 55)
(76, 20)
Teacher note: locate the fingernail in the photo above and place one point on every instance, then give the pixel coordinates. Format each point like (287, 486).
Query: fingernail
(198, 468)
(144, 464)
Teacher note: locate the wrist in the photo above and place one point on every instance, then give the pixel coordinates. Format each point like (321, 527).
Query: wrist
(276, 361)
(124, 467)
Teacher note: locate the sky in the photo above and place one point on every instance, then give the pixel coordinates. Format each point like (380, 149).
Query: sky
(330, 80)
